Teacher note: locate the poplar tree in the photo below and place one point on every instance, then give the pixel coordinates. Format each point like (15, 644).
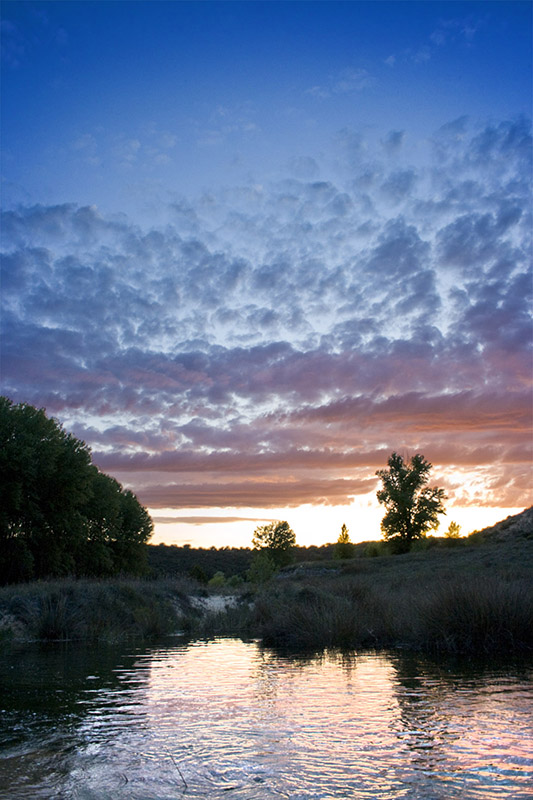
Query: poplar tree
(59, 515)
(412, 506)
(344, 548)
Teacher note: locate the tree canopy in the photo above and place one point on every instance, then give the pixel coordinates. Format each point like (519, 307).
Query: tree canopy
(278, 539)
(58, 513)
(412, 506)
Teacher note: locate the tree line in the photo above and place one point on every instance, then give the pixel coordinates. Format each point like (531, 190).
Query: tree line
(59, 515)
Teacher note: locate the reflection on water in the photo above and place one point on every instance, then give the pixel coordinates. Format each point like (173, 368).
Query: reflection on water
(229, 719)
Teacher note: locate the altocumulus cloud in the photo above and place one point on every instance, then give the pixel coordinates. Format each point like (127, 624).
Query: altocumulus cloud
(269, 346)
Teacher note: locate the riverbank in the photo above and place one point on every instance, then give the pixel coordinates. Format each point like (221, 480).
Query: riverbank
(468, 602)
(458, 600)
(91, 609)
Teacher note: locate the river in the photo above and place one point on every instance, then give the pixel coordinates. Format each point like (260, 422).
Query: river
(231, 719)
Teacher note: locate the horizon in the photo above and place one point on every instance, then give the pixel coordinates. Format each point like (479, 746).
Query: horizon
(440, 532)
(250, 250)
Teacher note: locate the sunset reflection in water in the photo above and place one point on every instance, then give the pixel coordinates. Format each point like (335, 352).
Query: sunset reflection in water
(227, 718)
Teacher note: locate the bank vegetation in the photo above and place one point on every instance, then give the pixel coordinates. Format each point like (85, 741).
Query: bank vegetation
(474, 599)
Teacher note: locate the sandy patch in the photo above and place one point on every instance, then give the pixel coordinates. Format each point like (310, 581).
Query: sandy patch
(214, 603)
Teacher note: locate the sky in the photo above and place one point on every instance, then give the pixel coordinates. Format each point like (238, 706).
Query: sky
(249, 249)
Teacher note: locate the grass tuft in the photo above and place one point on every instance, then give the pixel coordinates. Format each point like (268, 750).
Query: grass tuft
(481, 616)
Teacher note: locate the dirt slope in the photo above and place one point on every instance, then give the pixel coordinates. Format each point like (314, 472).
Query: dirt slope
(518, 526)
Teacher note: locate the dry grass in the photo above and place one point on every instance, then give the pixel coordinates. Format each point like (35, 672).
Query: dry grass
(469, 600)
(458, 600)
(92, 609)
(466, 616)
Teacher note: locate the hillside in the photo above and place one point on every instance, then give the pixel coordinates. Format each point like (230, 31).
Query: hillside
(518, 526)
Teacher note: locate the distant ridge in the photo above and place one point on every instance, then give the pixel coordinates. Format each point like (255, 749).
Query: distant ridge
(517, 526)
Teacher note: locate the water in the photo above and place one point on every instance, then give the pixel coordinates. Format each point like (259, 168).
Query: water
(230, 719)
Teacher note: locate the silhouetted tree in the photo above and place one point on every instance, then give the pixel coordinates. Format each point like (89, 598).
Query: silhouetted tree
(412, 506)
(344, 548)
(278, 539)
(454, 531)
(58, 514)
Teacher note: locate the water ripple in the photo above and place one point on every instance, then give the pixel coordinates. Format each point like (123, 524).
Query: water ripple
(229, 719)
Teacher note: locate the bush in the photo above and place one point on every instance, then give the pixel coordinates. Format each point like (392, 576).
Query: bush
(217, 581)
(374, 549)
(262, 568)
(198, 574)
(234, 581)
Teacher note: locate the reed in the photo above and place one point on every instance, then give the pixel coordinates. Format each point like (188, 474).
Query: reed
(478, 616)
(469, 600)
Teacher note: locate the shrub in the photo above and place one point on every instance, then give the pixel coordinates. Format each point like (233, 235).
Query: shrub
(234, 581)
(374, 549)
(262, 568)
(198, 574)
(88, 609)
(217, 581)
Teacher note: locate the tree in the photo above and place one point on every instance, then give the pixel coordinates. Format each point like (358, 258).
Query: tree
(58, 513)
(344, 548)
(278, 539)
(412, 506)
(454, 530)
(44, 480)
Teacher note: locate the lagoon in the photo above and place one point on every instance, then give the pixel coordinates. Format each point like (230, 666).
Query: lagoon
(227, 718)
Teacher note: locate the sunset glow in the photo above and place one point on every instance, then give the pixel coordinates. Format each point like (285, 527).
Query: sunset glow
(250, 249)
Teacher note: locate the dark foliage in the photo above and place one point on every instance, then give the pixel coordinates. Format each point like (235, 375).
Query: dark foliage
(412, 506)
(202, 563)
(59, 515)
(277, 539)
(197, 562)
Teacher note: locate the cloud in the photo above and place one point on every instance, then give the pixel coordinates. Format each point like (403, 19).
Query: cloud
(452, 32)
(146, 148)
(245, 494)
(393, 141)
(458, 28)
(14, 44)
(347, 81)
(272, 345)
(399, 184)
(304, 167)
(32, 30)
(227, 124)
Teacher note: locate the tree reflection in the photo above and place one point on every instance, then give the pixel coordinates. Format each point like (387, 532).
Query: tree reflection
(436, 705)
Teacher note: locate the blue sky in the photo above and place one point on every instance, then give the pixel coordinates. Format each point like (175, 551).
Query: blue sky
(188, 96)
(252, 248)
